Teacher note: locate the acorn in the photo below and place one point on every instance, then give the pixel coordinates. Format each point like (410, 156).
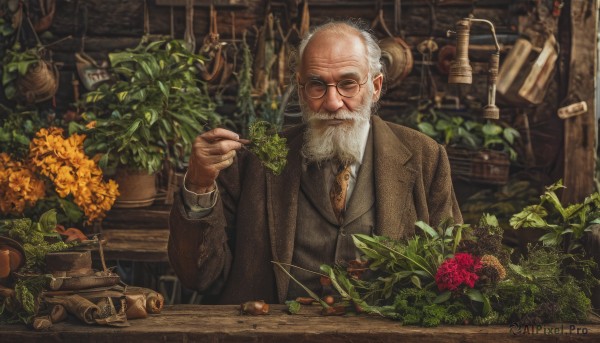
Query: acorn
(328, 299)
(257, 307)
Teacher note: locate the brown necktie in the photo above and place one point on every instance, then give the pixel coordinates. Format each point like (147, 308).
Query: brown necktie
(337, 193)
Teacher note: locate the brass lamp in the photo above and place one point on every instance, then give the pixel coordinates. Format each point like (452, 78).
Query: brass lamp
(461, 71)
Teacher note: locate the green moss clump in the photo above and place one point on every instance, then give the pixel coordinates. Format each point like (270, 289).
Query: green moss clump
(268, 146)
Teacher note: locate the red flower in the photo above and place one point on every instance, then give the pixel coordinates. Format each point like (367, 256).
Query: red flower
(456, 271)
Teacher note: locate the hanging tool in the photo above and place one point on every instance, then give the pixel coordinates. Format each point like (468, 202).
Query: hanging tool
(213, 49)
(461, 71)
(188, 37)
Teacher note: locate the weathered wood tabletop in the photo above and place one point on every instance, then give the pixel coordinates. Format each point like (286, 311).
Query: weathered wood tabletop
(203, 323)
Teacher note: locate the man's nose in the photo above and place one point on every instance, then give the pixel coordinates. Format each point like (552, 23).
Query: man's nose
(332, 100)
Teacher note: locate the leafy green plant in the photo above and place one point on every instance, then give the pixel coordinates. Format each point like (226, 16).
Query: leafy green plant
(153, 111)
(455, 274)
(565, 225)
(17, 127)
(36, 239)
(17, 62)
(463, 131)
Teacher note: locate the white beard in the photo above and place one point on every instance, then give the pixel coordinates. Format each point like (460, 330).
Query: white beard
(323, 142)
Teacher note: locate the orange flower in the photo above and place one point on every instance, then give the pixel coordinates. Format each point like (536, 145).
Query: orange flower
(64, 163)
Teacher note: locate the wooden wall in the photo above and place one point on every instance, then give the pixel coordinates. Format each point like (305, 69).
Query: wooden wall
(552, 148)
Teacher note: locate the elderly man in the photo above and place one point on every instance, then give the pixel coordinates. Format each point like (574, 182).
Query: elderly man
(347, 172)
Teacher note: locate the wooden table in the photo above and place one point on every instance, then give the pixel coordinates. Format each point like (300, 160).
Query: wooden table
(202, 323)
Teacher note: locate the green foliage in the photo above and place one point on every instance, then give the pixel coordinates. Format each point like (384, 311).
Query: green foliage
(547, 285)
(153, 111)
(268, 146)
(35, 238)
(565, 225)
(417, 307)
(17, 128)
(465, 132)
(27, 292)
(539, 289)
(503, 201)
(17, 62)
(408, 264)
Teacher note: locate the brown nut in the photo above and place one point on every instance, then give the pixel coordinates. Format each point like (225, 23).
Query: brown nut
(305, 300)
(257, 307)
(328, 299)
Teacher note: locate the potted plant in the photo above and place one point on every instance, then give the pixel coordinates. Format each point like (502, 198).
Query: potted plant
(478, 150)
(149, 115)
(28, 75)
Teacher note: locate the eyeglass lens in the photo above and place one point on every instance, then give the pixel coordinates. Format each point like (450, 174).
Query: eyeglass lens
(316, 89)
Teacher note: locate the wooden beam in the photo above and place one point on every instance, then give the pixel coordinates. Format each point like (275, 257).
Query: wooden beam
(204, 3)
(580, 131)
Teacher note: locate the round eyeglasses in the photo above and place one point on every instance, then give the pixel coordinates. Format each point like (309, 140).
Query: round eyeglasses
(316, 89)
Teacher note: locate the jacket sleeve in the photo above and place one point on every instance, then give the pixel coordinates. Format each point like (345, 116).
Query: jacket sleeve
(199, 248)
(442, 201)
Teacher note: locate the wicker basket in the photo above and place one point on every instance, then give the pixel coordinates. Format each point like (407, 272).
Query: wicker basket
(482, 166)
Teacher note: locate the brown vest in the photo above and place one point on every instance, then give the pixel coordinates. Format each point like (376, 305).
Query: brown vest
(320, 239)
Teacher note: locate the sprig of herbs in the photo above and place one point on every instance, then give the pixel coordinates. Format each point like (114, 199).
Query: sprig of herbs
(268, 146)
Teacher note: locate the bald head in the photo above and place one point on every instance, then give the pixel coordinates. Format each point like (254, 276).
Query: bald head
(350, 32)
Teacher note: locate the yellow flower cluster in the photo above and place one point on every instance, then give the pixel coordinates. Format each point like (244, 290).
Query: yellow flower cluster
(19, 185)
(64, 163)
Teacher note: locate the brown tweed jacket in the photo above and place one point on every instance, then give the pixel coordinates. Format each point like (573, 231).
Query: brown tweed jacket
(254, 221)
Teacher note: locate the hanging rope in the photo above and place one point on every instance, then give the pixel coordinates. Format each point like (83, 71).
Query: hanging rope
(40, 83)
(212, 48)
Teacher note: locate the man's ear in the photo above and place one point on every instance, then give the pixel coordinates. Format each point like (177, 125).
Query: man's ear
(377, 85)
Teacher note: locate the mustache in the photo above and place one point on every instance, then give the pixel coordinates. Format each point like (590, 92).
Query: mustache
(340, 115)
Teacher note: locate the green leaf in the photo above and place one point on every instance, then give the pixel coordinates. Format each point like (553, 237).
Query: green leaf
(416, 281)
(163, 88)
(490, 129)
(442, 297)
(427, 229)
(47, 222)
(474, 294)
(510, 134)
(427, 129)
(487, 307)
(23, 67)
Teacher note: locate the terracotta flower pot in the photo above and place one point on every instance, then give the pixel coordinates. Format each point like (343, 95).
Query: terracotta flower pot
(12, 257)
(137, 189)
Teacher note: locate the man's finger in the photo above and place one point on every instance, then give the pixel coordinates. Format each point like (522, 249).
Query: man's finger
(219, 134)
(224, 164)
(218, 148)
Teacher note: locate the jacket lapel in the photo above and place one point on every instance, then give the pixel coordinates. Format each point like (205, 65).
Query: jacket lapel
(362, 198)
(393, 180)
(282, 210)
